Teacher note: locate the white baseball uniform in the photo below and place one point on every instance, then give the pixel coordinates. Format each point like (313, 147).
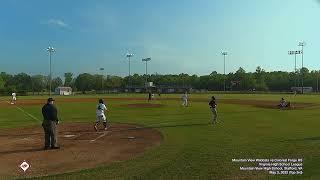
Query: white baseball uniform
(100, 113)
(184, 99)
(14, 96)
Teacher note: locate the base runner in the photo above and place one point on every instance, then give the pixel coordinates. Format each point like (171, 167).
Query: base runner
(100, 116)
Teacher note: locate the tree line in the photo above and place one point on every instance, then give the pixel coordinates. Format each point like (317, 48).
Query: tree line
(260, 80)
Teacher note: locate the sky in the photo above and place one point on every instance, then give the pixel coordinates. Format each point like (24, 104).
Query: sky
(181, 36)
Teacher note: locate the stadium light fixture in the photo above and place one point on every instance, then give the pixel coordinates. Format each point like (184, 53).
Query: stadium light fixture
(302, 44)
(224, 69)
(129, 56)
(146, 60)
(50, 50)
(295, 63)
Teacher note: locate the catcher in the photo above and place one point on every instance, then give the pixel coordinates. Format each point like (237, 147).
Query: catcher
(101, 107)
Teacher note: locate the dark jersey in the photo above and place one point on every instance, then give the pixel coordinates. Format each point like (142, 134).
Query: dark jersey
(49, 112)
(212, 104)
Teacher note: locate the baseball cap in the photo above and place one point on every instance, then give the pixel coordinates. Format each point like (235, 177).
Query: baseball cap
(50, 99)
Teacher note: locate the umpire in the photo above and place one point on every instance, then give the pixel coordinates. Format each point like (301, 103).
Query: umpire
(49, 124)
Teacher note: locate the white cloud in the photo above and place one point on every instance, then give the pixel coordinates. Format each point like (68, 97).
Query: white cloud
(57, 22)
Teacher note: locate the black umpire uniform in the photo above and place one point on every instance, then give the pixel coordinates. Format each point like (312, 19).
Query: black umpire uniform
(49, 124)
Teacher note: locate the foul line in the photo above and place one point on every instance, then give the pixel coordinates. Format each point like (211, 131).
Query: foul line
(102, 135)
(25, 112)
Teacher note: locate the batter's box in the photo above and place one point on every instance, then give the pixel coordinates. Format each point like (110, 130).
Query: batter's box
(87, 136)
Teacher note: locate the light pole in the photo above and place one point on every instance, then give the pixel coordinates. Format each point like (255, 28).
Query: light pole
(302, 44)
(224, 69)
(50, 50)
(101, 69)
(146, 60)
(129, 55)
(318, 81)
(295, 64)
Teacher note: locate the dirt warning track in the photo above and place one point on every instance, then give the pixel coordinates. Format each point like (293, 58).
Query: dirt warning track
(81, 148)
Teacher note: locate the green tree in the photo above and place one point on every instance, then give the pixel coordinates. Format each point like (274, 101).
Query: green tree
(22, 82)
(84, 82)
(260, 84)
(38, 83)
(114, 82)
(2, 83)
(56, 82)
(68, 79)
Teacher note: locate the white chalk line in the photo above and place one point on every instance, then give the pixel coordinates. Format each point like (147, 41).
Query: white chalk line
(102, 135)
(25, 112)
(25, 140)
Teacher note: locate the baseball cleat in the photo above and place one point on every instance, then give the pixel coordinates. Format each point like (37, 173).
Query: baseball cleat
(95, 128)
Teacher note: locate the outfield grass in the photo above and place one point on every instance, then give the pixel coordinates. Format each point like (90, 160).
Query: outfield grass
(192, 148)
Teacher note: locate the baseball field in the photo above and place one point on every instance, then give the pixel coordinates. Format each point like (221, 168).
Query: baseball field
(161, 139)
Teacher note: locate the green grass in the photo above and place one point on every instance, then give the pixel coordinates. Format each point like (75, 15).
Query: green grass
(193, 149)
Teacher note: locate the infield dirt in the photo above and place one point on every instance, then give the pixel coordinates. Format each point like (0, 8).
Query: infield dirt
(81, 148)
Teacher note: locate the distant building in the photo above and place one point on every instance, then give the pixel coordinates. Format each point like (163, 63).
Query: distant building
(63, 91)
(149, 85)
(299, 89)
(137, 90)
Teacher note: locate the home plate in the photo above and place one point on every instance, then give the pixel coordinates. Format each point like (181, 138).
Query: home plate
(69, 135)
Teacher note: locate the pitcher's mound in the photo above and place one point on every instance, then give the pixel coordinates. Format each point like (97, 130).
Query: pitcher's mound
(81, 147)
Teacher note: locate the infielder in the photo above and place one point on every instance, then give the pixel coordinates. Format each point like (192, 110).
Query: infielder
(184, 98)
(213, 106)
(101, 107)
(14, 98)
